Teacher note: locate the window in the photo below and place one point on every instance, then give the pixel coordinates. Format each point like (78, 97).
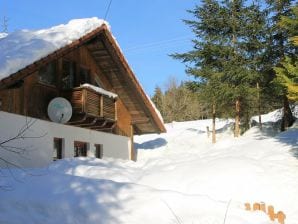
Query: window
(98, 151)
(57, 149)
(85, 76)
(47, 73)
(80, 149)
(68, 74)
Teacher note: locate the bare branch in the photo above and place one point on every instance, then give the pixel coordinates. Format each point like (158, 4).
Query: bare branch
(10, 145)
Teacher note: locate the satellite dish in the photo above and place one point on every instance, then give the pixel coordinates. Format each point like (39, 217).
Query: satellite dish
(59, 110)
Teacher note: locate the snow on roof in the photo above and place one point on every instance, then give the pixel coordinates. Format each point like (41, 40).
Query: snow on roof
(100, 90)
(2, 35)
(21, 48)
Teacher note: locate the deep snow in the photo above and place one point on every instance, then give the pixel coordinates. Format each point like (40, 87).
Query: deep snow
(180, 177)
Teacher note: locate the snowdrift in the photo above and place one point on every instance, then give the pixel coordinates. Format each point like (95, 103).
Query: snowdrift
(180, 177)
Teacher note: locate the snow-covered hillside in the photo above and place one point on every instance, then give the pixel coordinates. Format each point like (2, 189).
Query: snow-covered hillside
(180, 177)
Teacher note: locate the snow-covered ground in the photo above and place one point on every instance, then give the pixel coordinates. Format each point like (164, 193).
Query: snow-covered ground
(180, 177)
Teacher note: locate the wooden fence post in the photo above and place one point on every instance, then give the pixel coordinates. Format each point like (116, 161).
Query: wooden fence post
(271, 212)
(281, 217)
(256, 206)
(263, 207)
(247, 206)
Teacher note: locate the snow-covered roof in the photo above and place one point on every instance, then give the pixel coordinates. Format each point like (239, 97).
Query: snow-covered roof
(23, 52)
(22, 48)
(100, 90)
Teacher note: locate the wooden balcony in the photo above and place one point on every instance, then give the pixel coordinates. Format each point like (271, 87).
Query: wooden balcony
(92, 109)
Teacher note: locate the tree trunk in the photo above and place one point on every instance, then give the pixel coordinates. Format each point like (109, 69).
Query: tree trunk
(213, 124)
(237, 119)
(287, 119)
(259, 106)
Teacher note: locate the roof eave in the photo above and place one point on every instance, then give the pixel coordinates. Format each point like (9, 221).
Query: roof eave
(158, 122)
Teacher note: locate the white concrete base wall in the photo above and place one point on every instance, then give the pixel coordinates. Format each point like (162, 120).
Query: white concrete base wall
(38, 141)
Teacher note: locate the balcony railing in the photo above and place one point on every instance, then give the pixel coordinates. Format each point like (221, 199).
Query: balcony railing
(91, 103)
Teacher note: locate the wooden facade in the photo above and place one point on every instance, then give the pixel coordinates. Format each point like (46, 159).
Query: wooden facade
(96, 60)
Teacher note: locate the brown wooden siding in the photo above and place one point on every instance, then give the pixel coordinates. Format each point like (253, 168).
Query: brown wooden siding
(40, 97)
(109, 108)
(92, 103)
(75, 97)
(12, 100)
(123, 120)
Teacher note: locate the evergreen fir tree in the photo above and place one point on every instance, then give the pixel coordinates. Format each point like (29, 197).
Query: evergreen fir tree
(279, 49)
(287, 73)
(157, 99)
(227, 53)
(206, 61)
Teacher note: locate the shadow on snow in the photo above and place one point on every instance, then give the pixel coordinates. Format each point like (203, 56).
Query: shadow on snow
(64, 199)
(290, 138)
(151, 144)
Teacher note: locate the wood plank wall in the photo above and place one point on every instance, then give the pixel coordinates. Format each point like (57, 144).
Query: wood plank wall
(123, 120)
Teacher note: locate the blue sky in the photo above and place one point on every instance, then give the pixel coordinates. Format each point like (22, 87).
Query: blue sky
(147, 30)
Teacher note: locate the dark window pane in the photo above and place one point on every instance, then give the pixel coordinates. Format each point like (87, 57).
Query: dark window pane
(80, 149)
(68, 74)
(57, 150)
(47, 73)
(84, 76)
(98, 151)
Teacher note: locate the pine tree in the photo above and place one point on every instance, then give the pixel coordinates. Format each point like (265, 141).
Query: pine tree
(227, 53)
(287, 73)
(247, 28)
(205, 62)
(157, 99)
(278, 34)
(279, 48)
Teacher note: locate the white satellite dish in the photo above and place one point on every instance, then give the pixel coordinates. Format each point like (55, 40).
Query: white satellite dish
(59, 110)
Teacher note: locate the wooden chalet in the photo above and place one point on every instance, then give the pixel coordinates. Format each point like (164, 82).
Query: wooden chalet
(75, 72)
